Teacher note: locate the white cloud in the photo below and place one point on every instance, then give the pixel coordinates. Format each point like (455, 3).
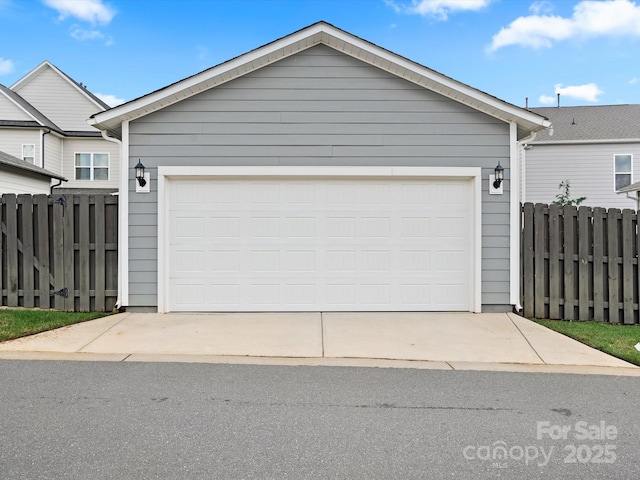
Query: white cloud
(110, 100)
(546, 99)
(542, 7)
(93, 11)
(633, 81)
(6, 66)
(590, 19)
(82, 34)
(588, 92)
(439, 9)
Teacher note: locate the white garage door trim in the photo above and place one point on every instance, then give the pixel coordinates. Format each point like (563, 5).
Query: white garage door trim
(166, 174)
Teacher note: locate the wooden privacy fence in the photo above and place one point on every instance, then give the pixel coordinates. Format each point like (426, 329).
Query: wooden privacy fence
(59, 251)
(580, 263)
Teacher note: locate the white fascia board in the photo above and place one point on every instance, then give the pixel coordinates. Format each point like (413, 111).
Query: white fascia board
(585, 142)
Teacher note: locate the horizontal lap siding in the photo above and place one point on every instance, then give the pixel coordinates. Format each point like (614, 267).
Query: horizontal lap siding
(319, 108)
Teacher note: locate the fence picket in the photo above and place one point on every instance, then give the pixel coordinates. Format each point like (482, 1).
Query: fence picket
(25, 209)
(569, 213)
(99, 256)
(628, 255)
(11, 223)
(555, 247)
(69, 254)
(584, 246)
(41, 209)
(599, 279)
(613, 265)
(540, 226)
(58, 252)
(528, 261)
(84, 273)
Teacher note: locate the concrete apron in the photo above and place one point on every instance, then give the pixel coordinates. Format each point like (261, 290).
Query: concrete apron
(415, 340)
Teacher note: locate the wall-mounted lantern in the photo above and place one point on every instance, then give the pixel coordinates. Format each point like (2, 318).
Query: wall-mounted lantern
(496, 179)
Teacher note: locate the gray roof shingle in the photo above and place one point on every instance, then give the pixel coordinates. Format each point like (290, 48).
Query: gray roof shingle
(590, 123)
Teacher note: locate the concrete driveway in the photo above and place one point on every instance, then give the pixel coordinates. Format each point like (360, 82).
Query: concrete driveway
(500, 341)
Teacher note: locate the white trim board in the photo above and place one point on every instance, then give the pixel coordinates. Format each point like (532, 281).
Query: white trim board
(165, 174)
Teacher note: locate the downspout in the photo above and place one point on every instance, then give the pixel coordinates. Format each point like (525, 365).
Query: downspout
(516, 219)
(635, 199)
(104, 134)
(55, 186)
(42, 146)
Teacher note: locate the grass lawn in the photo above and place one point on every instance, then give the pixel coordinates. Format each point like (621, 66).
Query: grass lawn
(16, 323)
(616, 340)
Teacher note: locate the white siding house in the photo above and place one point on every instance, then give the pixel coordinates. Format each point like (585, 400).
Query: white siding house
(319, 172)
(595, 148)
(43, 121)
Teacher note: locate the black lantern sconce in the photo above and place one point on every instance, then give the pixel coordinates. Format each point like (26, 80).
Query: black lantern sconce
(499, 171)
(140, 174)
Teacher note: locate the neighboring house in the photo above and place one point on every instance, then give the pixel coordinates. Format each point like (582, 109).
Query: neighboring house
(18, 176)
(43, 121)
(319, 172)
(595, 148)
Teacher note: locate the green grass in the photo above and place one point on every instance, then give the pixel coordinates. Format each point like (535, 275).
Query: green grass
(15, 323)
(616, 340)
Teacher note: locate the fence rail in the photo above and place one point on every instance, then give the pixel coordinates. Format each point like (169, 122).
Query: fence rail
(580, 263)
(59, 251)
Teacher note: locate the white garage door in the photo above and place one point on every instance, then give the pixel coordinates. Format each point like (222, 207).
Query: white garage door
(308, 244)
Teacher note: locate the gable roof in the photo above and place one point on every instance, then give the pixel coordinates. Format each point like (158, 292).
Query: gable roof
(591, 124)
(326, 34)
(78, 86)
(7, 160)
(39, 120)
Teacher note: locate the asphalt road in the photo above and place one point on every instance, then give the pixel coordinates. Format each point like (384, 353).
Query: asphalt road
(76, 420)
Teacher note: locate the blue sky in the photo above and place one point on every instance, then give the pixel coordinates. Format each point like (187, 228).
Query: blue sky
(588, 51)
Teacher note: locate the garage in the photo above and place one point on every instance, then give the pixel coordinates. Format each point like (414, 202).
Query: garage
(318, 243)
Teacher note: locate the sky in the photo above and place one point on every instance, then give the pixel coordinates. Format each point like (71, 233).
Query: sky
(521, 51)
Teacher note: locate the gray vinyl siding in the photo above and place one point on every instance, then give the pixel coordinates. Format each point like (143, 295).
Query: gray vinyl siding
(588, 167)
(319, 107)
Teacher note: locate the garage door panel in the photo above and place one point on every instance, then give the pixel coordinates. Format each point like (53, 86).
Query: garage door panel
(319, 244)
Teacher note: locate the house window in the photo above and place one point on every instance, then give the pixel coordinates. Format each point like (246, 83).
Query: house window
(29, 153)
(622, 170)
(92, 166)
